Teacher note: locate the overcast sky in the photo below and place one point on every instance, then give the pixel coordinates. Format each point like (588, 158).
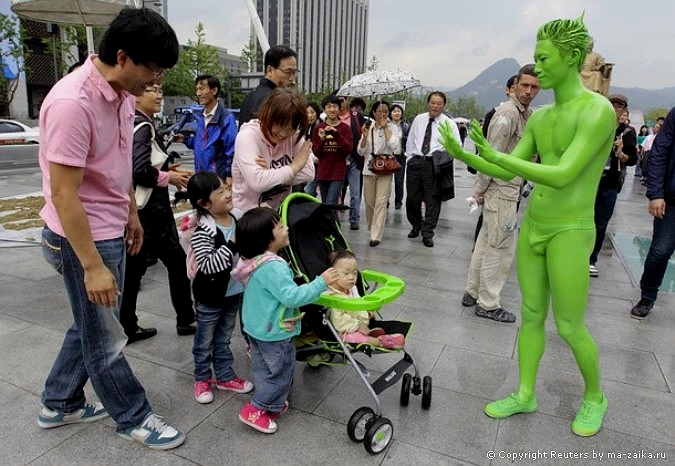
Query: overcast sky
(448, 42)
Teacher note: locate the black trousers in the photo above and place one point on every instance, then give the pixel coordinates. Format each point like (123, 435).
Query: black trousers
(179, 286)
(421, 187)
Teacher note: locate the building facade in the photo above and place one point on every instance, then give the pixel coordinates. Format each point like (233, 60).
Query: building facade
(330, 37)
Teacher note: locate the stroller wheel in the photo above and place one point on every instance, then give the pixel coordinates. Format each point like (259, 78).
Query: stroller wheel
(359, 423)
(405, 389)
(426, 392)
(378, 436)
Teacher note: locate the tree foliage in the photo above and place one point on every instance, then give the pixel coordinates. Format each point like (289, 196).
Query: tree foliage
(13, 56)
(250, 55)
(194, 59)
(653, 114)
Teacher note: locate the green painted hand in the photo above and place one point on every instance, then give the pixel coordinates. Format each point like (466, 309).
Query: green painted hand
(484, 148)
(449, 142)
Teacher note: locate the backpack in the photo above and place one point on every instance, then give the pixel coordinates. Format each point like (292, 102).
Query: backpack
(207, 289)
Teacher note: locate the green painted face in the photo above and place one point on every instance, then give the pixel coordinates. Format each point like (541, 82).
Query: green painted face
(550, 67)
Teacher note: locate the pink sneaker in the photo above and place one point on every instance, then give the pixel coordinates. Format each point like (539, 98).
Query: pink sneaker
(257, 418)
(203, 393)
(275, 416)
(393, 341)
(236, 385)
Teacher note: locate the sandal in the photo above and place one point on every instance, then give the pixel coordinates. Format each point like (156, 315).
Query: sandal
(500, 314)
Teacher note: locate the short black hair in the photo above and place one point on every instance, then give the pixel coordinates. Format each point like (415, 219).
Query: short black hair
(212, 81)
(439, 94)
(277, 53)
(330, 99)
(511, 81)
(145, 37)
(255, 231)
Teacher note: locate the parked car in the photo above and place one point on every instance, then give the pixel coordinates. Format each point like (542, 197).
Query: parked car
(14, 132)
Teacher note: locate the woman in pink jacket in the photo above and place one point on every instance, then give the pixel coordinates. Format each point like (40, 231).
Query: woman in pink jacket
(271, 153)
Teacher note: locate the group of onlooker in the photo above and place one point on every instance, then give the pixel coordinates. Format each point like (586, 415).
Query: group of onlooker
(106, 211)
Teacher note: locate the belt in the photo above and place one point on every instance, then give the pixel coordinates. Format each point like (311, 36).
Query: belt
(424, 157)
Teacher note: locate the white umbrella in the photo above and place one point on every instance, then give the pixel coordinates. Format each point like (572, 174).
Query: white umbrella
(461, 120)
(378, 82)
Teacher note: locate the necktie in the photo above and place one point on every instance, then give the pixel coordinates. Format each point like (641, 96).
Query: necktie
(426, 144)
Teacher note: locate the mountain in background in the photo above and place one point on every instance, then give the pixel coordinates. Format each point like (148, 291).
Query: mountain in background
(488, 89)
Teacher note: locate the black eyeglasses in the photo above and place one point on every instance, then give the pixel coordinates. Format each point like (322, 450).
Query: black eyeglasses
(289, 72)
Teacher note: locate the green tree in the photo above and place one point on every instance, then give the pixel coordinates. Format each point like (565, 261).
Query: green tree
(194, 59)
(465, 106)
(653, 114)
(69, 46)
(13, 55)
(249, 55)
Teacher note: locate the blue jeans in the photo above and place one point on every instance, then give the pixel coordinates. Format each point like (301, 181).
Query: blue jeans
(330, 192)
(660, 251)
(354, 183)
(212, 339)
(273, 365)
(605, 200)
(92, 347)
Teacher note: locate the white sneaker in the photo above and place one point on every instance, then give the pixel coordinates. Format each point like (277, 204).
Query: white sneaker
(154, 433)
(593, 270)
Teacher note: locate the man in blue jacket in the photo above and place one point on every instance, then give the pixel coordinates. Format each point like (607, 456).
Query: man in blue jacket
(213, 141)
(661, 194)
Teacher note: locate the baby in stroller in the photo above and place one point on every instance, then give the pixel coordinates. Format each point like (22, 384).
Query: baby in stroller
(353, 326)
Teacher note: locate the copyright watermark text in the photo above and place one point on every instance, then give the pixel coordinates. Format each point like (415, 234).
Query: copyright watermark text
(534, 455)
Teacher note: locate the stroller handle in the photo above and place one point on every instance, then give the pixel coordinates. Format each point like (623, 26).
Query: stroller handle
(389, 289)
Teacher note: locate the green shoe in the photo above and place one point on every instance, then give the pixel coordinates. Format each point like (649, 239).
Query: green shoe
(509, 406)
(588, 420)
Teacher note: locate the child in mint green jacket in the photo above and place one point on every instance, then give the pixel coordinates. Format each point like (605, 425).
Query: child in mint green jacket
(270, 313)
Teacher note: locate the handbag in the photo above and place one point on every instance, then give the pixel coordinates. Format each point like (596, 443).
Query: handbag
(157, 159)
(383, 164)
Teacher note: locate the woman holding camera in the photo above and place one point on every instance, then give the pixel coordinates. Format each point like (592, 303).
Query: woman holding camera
(379, 136)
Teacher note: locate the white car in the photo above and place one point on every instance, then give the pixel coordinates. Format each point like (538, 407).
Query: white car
(14, 132)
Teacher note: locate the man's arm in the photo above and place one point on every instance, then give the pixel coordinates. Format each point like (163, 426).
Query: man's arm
(99, 282)
(228, 133)
(661, 151)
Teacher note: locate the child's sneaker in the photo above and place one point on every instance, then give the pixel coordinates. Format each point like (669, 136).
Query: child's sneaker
(203, 393)
(89, 413)
(275, 416)
(236, 385)
(154, 433)
(259, 419)
(393, 341)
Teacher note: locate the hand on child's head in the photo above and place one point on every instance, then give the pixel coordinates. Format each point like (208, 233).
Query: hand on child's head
(330, 275)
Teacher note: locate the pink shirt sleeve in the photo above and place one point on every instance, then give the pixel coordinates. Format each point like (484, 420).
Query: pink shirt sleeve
(163, 179)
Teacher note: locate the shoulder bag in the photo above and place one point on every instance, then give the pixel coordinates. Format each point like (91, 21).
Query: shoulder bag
(157, 159)
(382, 164)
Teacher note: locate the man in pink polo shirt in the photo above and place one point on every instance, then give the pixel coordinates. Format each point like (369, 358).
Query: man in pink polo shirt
(86, 126)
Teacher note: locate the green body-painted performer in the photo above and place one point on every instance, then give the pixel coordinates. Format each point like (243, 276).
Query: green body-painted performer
(573, 136)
